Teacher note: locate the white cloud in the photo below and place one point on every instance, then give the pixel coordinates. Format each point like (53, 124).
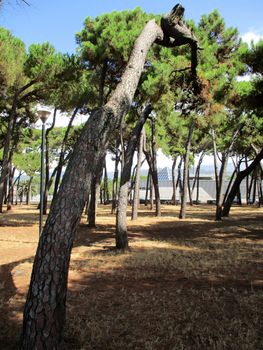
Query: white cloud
(252, 35)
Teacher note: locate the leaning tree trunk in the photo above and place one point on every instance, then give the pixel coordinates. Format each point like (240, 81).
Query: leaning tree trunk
(121, 217)
(225, 157)
(240, 176)
(182, 213)
(45, 309)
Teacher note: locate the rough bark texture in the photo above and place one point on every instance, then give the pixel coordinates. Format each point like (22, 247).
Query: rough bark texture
(44, 313)
(240, 176)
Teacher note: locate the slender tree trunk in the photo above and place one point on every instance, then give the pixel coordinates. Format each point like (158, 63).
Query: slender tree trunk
(17, 185)
(106, 198)
(28, 195)
(196, 177)
(115, 179)
(10, 194)
(173, 181)
(45, 309)
(225, 157)
(222, 174)
(182, 213)
(147, 188)
(179, 178)
(45, 197)
(240, 176)
(121, 217)
(136, 196)
(189, 187)
(215, 164)
(6, 151)
(94, 195)
(62, 152)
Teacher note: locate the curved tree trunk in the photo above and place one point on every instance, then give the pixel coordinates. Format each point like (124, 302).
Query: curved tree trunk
(45, 309)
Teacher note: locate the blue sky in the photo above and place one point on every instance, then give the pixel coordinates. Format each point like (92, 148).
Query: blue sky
(58, 21)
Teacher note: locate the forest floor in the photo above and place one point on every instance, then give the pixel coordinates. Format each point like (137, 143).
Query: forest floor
(184, 284)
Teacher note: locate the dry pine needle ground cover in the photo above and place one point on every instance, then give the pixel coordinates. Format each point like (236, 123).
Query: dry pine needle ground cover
(185, 284)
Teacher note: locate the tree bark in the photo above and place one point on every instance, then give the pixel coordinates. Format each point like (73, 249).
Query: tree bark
(240, 176)
(44, 313)
(121, 217)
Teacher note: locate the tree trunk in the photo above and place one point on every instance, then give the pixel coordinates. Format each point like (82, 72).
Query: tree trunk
(62, 153)
(220, 196)
(45, 309)
(94, 195)
(136, 196)
(45, 197)
(147, 188)
(115, 179)
(182, 213)
(196, 178)
(10, 195)
(6, 151)
(240, 176)
(17, 185)
(121, 217)
(106, 196)
(28, 195)
(225, 157)
(215, 164)
(173, 181)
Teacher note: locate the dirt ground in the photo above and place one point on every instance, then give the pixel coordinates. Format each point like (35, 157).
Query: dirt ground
(185, 284)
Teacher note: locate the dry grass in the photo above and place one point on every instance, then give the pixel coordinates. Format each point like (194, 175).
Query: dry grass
(192, 284)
